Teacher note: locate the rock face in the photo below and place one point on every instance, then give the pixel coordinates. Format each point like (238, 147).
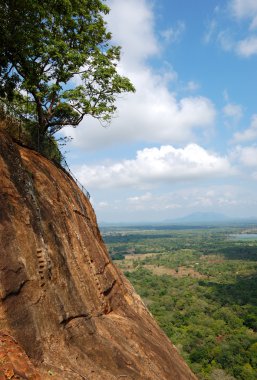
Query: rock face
(14, 363)
(61, 298)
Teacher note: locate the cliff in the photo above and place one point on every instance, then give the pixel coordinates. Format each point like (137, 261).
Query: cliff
(66, 305)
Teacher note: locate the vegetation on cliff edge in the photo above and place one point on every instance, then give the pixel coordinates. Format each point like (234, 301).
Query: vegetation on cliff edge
(57, 64)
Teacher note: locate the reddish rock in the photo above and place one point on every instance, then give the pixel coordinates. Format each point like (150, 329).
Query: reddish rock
(61, 298)
(14, 363)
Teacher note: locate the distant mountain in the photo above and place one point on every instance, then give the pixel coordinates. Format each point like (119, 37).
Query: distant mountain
(199, 218)
(203, 217)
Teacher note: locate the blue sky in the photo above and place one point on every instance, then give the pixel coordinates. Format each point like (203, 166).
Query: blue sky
(187, 140)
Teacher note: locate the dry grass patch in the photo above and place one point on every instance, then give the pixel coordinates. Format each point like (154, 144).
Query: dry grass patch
(139, 256)
(180, 272)
(213, 259)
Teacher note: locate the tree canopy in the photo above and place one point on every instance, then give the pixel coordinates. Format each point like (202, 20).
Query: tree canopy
(57, 63)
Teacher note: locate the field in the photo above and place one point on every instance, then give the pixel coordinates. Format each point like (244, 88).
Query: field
(200, 283)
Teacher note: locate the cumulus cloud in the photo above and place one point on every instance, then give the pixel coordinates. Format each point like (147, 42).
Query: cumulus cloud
(246, 155)
(157, 165)
(132, 25)
(154, 114)
(248, 134)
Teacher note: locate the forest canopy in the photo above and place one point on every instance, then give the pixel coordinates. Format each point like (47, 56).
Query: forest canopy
(57, 63)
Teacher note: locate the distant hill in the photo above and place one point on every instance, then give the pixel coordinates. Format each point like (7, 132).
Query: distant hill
(203, 217)
(196, 218)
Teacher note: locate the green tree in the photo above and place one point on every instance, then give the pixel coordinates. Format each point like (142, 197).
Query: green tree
(57, 63)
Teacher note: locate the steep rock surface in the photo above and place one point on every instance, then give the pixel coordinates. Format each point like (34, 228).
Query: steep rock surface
(61, 298)
(14, 363)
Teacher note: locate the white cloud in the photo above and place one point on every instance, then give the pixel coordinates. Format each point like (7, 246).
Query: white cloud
(174, 34)
(141, 198)
(233, 200)
(247, 155)
(253, 25)
(254, 175)
(244, 9)
(157, 165)
(211, 28)
(233, 111)
(132, 25)
(154, 114)
(217, 198)
(226, 40)
(149, 201)
(192, 86)
(102, 204)
(247, 47)
(231, 38)
(248, 134)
